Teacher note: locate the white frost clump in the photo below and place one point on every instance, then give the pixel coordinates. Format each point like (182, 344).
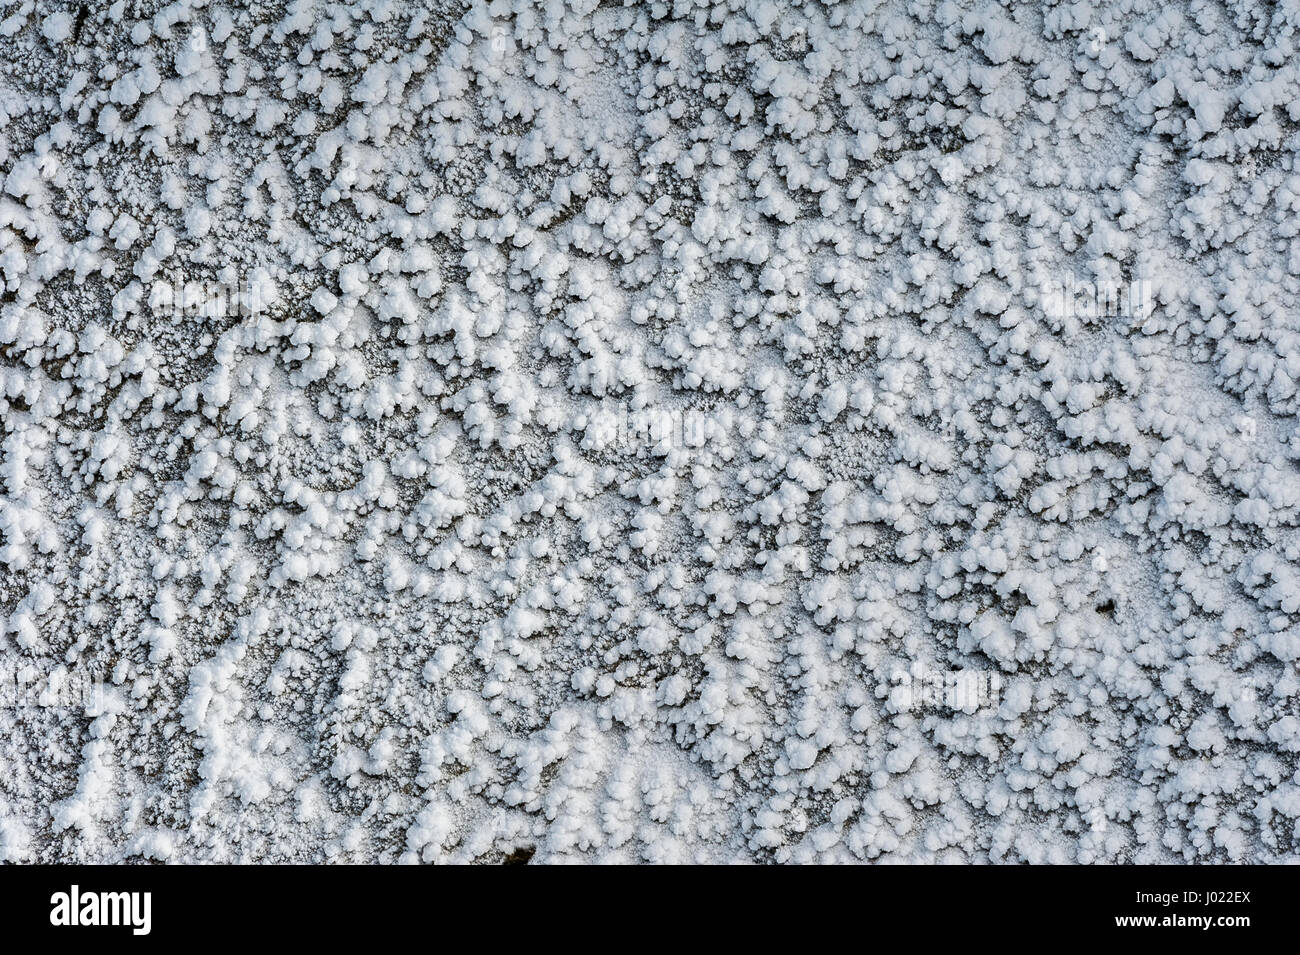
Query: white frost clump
(651, 432)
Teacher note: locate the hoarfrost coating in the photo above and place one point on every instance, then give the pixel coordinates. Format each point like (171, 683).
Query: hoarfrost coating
(658, 432)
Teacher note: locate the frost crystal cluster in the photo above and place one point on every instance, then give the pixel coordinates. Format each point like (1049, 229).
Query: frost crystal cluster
(650, 431)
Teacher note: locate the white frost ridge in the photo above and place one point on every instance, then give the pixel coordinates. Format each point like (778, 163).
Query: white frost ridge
(664, 431)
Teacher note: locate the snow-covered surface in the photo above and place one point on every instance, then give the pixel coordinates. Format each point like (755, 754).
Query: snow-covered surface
(660, 432)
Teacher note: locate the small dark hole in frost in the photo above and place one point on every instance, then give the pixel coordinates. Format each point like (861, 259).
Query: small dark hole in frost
(1107, 608)
(519, 856)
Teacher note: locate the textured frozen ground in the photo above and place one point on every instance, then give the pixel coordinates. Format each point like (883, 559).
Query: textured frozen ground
(625, 418)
